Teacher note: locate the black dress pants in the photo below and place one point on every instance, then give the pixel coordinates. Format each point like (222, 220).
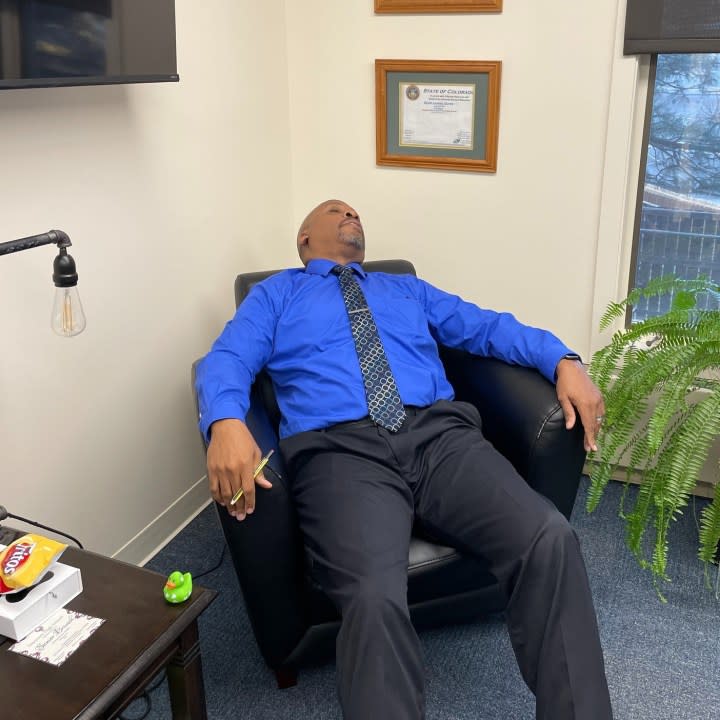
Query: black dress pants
(358, 490)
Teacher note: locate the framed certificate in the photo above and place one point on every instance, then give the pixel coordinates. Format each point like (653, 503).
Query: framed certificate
(438, 114)
(437, 6)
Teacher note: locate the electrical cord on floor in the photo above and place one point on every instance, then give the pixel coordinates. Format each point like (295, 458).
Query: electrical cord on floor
(214, 567)
(145, 698)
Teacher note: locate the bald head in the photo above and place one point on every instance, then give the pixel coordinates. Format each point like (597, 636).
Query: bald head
(308, 218)
(332, 231)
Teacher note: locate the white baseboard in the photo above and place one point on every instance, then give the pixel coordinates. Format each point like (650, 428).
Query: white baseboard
(160, 531)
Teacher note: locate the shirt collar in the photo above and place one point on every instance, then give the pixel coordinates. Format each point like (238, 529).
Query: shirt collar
(320, 266)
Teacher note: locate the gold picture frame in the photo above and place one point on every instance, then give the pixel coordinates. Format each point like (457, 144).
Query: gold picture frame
(438, 6)
(437, 114)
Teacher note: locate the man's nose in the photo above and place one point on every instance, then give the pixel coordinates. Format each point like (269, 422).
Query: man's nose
(351, 213)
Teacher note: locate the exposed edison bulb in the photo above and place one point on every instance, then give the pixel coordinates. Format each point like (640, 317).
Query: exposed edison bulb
(68, 318)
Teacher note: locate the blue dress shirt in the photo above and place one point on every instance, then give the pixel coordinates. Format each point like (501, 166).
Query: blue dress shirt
(296, 326)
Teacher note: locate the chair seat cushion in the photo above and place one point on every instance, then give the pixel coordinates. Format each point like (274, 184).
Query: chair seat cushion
(434, 572)
(438, 571)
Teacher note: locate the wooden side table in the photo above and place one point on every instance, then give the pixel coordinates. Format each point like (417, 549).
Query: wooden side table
(142, 634)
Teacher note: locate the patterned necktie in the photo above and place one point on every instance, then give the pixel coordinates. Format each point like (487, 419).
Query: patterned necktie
(384, 404)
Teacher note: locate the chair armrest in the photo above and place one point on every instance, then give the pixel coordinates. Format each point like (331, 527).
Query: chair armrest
(266, 550)
(523, 419)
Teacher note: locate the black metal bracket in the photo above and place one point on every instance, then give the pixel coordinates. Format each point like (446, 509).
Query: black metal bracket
(56, 237)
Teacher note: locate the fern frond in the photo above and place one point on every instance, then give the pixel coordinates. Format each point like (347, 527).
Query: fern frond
(613, 442)
(710, 528)
(642, 513)
(676, 473)
(689, 362)
(671, 283)
(637, 381)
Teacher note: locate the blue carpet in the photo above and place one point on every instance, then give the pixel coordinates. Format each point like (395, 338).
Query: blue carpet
(663, 660)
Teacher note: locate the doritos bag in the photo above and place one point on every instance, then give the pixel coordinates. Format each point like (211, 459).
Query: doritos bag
(26, 560)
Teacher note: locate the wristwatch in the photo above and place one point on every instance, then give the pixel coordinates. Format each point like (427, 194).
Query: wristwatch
(568, 356)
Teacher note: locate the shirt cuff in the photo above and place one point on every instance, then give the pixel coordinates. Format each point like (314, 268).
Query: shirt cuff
(223, 412)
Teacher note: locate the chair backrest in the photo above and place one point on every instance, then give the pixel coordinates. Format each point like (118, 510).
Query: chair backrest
(245, 282)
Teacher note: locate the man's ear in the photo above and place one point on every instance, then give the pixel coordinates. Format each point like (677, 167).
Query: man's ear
(303, 242)
(302, 246)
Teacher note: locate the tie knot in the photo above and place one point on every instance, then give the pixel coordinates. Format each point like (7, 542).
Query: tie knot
(342, 270)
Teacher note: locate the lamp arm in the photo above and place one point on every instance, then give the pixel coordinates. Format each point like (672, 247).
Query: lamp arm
(57, 237)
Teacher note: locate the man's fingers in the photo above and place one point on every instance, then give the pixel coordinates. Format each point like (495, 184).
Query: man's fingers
(578, 395)
(224, 483)
(220, 487)
(589, 418)
(214, 488)
(237, 509)
(262, 481)
(568, 411)
(251, 495)
(590, 444)
(233, 458)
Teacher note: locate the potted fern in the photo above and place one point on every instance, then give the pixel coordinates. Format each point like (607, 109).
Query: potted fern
(662, 398)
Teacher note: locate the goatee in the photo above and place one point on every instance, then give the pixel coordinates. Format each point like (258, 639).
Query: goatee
(356, 240)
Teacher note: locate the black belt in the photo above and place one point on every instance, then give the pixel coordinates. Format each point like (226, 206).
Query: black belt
(367, 421)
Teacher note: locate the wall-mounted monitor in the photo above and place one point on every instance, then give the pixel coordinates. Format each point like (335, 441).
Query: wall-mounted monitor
(45, 43)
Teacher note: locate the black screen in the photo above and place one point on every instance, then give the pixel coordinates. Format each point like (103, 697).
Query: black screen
(86, 42)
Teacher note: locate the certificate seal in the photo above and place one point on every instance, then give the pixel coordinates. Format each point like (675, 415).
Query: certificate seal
(412, 92)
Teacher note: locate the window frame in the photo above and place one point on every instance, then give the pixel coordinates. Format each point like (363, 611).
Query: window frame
(627, 115)
(641, 175)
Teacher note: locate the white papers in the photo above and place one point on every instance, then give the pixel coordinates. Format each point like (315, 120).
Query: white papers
(434, 115)
(58, 637)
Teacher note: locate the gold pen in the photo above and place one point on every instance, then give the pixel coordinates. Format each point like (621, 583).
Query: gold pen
(256, 472)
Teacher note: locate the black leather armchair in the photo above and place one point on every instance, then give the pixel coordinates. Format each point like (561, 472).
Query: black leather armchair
(293, 621)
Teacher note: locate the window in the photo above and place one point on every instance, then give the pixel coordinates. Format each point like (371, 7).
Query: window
(677, 228)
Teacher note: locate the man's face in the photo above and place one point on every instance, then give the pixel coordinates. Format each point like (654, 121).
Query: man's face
(332, 231)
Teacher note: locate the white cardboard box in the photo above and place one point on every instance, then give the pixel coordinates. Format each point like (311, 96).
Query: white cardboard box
(18, 618)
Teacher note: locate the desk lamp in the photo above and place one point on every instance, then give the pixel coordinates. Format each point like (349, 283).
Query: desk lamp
(67, 317)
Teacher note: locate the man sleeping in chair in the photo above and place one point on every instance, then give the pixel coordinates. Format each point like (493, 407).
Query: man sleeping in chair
(374, 443)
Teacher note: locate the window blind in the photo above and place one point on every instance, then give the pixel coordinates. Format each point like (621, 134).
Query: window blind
(672, 26)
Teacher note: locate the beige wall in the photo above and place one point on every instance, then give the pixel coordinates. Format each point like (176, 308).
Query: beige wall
(168, 190)
(523, 239)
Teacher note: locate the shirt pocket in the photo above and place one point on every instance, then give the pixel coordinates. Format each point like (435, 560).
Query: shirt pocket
(305, 331)
(401, 315)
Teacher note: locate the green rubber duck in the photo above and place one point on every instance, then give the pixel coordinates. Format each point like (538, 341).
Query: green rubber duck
(178, 587)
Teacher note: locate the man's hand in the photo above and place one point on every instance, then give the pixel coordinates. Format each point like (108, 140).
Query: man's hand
(577, 392)
(232, 456)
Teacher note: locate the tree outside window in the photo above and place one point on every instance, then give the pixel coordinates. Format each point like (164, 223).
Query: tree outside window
(679, 225)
